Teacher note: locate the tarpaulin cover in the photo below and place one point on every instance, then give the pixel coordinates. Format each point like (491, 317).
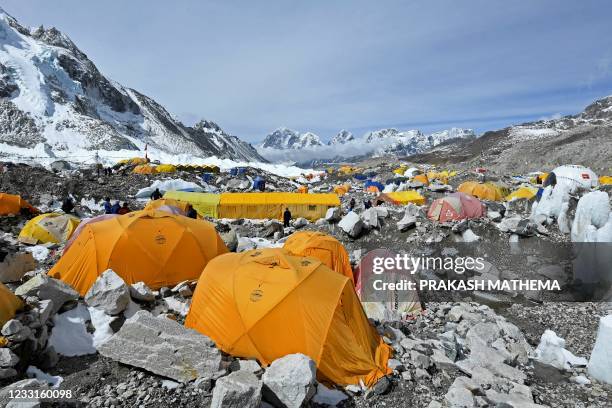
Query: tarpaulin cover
(272, 205)
(169, 185)
(206, 204)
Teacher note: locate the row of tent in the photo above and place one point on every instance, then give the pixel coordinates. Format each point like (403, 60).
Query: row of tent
(258, 205)
(241, 299)
(148, 168)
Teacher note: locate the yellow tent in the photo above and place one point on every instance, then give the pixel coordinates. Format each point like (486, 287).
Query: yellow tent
(406, 197)
(144, 169)
(206, 204)
(441, 176)
(523, 192)
(272, 205)
(9, 304)
(484, 191)
(164, 204)
(265, 304)
(421, 178)
(342, 189)
(302, 189)
(325, 248)
(155, 247)
(605, 180)
(49, 228)
(165, 168)
(400, 170)
(11, 204)
(346, 169)
(210, 168)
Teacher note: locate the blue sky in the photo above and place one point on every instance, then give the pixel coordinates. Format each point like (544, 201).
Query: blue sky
(360, 65)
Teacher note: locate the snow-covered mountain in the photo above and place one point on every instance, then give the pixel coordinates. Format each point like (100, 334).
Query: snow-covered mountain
(54, 101)
(280, 144)
(344, 136)
(287, 139)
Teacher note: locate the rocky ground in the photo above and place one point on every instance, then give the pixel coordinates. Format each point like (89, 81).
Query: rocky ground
(464, 349)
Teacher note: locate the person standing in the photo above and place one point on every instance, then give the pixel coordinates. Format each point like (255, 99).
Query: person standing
(107, 206)
(191, 212)
(286, 217)
(156, 195)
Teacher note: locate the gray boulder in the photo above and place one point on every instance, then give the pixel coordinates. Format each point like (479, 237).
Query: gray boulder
(290, 381)
(140, 291)
(109, 293)
(164, 347)
(351, 224)
(47, 288)
(300, 223)
(15, 265)
(230, 238)
(333, 215)
(240, 389)
(8, 358)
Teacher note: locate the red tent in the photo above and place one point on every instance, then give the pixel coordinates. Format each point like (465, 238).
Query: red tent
(456, 206)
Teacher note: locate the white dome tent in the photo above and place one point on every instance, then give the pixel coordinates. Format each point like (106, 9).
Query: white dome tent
(576, 176)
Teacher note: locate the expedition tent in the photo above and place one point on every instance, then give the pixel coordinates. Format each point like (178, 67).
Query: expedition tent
(302, 189)
(522, 192)
(455, 207)
(48, 228)
(144, 169)
(12, 204)
(484, 191)
(133, 161)
(576, 176)
(360, 176)
(165, 168)
(405, 197)
(370, 183)
(342, 189)
(421, 178)
(9, 304)
(206, 204)
(272, 205)
(238, 171)
(242, 299)
(325, 248)
(259, 183)
(155, 247)
(169, 205)
(82, 225)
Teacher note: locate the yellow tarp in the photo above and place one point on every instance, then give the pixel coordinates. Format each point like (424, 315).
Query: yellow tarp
(325, 248)
(9, 304)
(523, 192)
(206, 204)
(265, 304)
(272, 205)
(144, 169)
(165, 168)
(155, 247)
(605, 180)
(484, 191)
(12, 204)
(49, 228)
(405, 197)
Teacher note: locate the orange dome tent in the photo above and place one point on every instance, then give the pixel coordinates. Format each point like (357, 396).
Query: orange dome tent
(325, 248)
(155, 247)
(9, 304)
(144, 169)
(169, 205)
(421, 178)
(265, 304)
(484, 191)
(12, 204)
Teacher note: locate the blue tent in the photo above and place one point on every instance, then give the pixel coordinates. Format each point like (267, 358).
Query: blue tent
(259, 184)
(207, 177)
(360, 176)
(238, 171)
(370, 183)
